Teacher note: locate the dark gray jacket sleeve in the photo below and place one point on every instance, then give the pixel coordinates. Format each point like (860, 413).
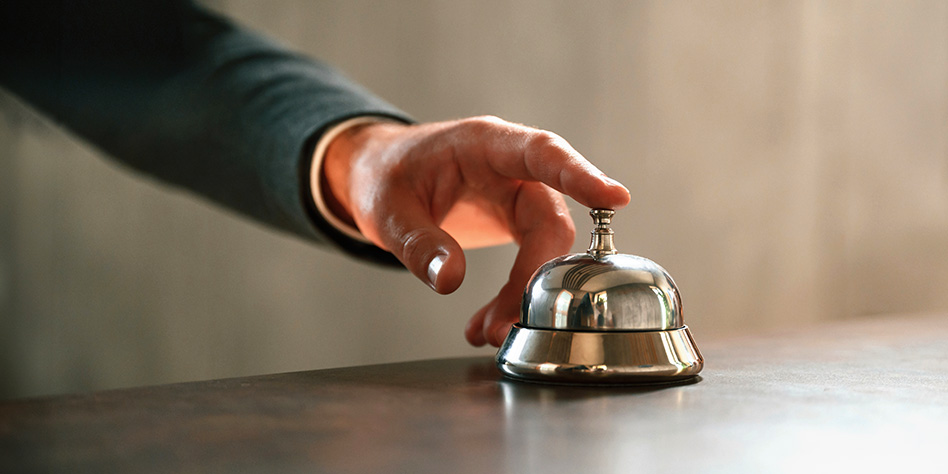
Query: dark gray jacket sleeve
(187, 97)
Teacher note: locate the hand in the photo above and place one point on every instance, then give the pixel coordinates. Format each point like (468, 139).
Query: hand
(424, 192)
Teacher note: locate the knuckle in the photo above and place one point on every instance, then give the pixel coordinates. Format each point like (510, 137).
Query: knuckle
(414, 246)
(545, 142)
(490, 119)
(483, 122)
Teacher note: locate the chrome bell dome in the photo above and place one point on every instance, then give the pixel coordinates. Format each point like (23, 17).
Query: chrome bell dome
(600, 317)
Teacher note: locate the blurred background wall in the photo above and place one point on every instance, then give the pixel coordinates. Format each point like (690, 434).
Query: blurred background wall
(788, 163)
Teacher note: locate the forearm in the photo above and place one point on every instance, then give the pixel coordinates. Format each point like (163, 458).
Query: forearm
(186, 97)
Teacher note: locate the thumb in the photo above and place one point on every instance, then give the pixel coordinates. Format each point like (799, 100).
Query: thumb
(426, 250)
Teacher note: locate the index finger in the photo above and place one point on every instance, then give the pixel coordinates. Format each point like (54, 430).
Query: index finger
(526, 153)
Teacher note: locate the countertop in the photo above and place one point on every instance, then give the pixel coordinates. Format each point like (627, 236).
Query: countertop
(868, 394)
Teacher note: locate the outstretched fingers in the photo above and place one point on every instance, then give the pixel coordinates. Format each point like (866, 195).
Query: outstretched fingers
(545, 230)
(524, 153)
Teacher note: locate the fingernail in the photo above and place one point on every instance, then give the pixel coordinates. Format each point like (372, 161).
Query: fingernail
(434, 267)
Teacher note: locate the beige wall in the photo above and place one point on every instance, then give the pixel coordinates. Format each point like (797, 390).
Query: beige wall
(788, 163)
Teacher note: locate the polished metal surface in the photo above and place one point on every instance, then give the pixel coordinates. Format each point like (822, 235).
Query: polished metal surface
(610, 293)
(861, 395)
(600, 317)
(601, 290)
(599, 357)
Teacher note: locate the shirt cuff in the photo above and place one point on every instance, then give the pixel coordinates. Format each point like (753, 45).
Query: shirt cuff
(316, 171)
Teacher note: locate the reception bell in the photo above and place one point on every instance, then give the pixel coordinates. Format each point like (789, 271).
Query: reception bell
(600, 317)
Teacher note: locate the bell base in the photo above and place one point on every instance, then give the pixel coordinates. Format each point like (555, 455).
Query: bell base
(599, 357)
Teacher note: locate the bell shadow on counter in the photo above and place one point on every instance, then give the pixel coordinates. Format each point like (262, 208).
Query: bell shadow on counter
(520, 391)
(485, 370)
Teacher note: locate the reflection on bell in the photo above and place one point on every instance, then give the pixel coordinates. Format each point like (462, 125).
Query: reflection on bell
(600, 318)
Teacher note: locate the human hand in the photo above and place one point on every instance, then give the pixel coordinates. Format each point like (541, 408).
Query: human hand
(424, 192)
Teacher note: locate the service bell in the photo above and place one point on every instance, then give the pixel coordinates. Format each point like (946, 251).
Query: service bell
(600, 317)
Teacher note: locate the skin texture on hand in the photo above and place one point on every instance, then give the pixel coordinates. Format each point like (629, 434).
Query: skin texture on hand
(424, 192)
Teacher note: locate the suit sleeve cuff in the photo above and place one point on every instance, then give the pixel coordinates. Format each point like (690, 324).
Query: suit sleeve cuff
(316, 171)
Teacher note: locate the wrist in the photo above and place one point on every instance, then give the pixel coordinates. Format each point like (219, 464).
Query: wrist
(337, 170)
(342, 154)
(331, 167)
